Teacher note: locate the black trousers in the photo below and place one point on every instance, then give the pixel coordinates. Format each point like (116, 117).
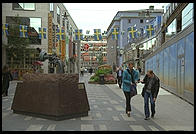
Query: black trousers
(120, 81)
(128, 101)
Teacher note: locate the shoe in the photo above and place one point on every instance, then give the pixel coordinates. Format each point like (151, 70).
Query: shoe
(152, 116)
(146, 118)
(128, 113)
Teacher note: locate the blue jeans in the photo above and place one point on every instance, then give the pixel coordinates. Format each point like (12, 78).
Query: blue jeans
(148, 95)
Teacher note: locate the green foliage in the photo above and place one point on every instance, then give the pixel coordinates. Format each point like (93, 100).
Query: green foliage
(94, 78)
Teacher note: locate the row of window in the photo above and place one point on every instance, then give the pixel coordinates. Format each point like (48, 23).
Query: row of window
(141, 21)
(31, 6)
(23, 6)
(186, 19)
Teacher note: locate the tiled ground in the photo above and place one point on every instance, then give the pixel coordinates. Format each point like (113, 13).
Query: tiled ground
(107, 113)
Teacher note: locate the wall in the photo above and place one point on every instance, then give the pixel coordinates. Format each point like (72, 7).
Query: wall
(174, 64)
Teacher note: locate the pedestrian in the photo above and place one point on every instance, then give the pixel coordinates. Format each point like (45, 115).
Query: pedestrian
(82, 71)
(140, 71)
(150, 90)
(91, 71)
(119, 76)
(7, 77)
(130, 76)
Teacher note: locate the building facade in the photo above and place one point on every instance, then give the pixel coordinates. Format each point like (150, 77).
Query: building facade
(173, 59)
(123, 20)
(93, 53)
(37, 15)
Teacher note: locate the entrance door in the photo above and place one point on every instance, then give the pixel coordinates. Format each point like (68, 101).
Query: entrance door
(180, 88)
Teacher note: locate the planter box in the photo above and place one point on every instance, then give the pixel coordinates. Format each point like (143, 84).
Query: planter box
(51, 96)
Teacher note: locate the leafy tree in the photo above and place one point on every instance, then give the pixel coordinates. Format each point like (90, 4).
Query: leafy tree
(16, 45)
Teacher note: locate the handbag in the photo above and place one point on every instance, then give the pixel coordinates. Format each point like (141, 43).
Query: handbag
(133, 90)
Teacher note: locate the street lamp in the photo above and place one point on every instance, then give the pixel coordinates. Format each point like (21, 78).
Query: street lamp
(121, 52)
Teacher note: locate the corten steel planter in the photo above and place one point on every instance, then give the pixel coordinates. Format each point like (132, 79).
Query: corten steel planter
(51, 96)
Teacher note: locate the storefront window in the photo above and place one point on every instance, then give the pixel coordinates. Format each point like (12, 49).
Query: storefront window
(187, 15)
(23, 6)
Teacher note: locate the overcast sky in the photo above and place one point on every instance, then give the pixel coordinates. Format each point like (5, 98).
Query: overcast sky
(89, 16)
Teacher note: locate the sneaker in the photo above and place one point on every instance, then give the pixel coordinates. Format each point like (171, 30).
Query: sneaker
(128, 113)
(146, 118)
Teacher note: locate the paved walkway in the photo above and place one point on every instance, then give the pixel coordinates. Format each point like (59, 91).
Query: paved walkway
(107, 104)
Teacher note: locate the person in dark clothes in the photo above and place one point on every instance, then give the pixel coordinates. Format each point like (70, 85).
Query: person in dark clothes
(150, 90)
(91, 71)
(7, 77)
(119, 76)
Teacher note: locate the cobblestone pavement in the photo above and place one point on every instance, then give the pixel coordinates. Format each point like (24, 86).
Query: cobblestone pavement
(107, 113)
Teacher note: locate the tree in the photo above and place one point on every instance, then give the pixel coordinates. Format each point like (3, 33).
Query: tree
(16, 45)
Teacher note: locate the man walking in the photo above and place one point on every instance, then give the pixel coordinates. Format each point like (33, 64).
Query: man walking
(119, 76)
(150, 90)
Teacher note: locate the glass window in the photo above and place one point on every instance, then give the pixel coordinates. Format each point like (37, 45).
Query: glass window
(32, 24)
(187, 15)
(51, 7)
(58, 15)
(23, 6)
(141, 20)
(171, 30)
(58, 11)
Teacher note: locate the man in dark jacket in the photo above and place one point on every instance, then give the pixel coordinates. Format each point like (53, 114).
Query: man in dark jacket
(119, 76)
(150, 90)
(7, 77)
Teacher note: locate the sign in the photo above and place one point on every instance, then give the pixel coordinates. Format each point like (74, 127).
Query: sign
(86, 46)
(50, 42)
(63, 50)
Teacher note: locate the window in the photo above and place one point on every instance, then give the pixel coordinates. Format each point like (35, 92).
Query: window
(32, 24)
(51, 7)
(129, 20)
(171, 30)
(23, 6)
(141, 20)
(58, 14)
(187, 15)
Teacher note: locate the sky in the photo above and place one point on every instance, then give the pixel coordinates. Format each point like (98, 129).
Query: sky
(89, 16)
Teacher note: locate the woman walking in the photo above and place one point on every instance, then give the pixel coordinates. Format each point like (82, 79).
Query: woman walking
(7, 77)
(130, 76)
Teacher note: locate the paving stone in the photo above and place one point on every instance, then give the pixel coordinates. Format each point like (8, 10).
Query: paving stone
(126, 118)
(86, 118)
(34, 128)
(98, 115)
(28, 118)
(137, 128)
(102, 127)
(153, 128)
(87, 127)
(51, 127)
(119, 108)
(115, 118)
(114, 102)
(109, 109)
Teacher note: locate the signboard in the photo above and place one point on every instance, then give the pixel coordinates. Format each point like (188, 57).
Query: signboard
(50, 42)
(86, 46)
(63, 50)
